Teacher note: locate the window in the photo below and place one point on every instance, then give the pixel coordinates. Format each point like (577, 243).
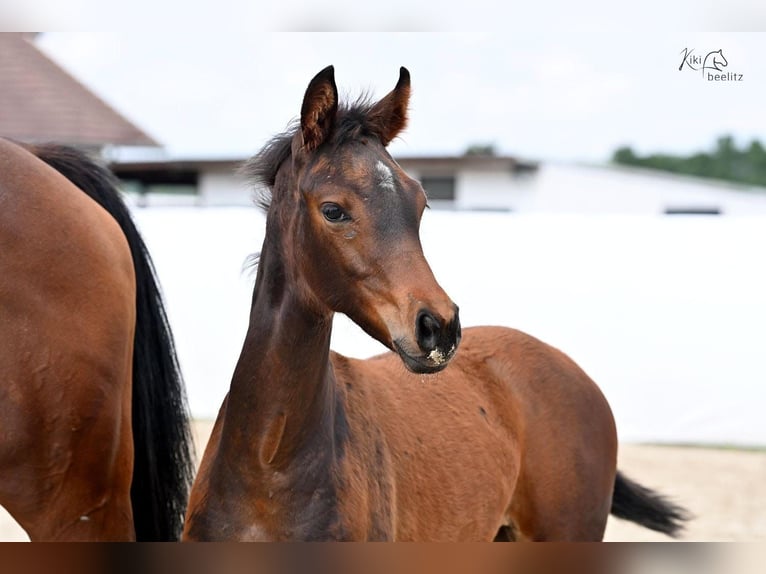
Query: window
(704, 210)
(439, 188)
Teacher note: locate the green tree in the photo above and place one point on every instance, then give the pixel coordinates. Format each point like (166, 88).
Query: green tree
(481, 149)
(725, 161)
(625, 155)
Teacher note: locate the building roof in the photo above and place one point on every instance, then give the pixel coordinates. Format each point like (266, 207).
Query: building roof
(39, 101)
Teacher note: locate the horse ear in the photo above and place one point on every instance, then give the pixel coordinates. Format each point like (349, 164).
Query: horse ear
(389, 116)
(320, 106)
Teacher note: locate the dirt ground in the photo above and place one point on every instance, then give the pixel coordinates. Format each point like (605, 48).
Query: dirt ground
(724, 489)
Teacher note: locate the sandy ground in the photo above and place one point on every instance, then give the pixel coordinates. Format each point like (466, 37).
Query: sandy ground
(724, 489)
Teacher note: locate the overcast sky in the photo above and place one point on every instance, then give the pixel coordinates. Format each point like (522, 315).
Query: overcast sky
(568, 95)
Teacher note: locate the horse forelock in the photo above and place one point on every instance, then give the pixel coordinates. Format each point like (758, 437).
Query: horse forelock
(352, 123)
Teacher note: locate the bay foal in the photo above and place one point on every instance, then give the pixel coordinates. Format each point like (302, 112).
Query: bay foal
(511, 440)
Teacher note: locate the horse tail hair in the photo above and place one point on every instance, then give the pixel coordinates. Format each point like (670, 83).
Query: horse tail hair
(636, 503)
(163, 447)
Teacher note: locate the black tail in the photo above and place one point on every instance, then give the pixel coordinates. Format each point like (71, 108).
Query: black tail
(636, 503)
(161, 436)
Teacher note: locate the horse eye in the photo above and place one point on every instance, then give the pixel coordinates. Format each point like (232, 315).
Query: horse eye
(334, 213)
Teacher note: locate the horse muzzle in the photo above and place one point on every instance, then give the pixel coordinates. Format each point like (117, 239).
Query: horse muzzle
(437, 342)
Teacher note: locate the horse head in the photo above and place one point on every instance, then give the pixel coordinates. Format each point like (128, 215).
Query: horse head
(719, 61)
(353, 217)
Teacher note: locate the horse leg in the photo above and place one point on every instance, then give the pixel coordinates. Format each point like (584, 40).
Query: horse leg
(562, 506)
(567, 442)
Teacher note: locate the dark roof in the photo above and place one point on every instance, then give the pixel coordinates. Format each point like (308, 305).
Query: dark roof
(39, 101)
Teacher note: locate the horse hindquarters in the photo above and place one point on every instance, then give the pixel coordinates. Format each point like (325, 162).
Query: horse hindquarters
(568, 481)
(163, 467)
(565, 432)
(66, 293)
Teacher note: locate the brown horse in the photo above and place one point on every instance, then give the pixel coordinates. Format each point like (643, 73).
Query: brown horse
(94, 437)
(511, 440)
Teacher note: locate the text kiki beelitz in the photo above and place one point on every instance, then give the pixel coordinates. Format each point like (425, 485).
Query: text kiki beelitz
(711, 65)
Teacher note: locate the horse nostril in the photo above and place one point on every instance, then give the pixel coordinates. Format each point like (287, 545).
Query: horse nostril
(427, 331)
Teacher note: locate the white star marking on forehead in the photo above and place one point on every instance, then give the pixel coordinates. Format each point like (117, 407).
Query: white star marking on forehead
(385, 176)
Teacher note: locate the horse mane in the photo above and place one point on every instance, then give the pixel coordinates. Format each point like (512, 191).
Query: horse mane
(351, 123)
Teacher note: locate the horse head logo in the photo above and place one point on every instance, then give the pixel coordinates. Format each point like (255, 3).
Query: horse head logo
(714, 61)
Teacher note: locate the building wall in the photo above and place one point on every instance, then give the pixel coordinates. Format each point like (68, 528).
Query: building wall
(223, 188)
(554, 188)
(562, 188)
(134, 199)
(487, 190)
(477, 189)
(584, 189)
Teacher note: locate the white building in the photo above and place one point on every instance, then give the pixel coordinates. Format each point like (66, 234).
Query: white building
(614, 189)
(474, 183)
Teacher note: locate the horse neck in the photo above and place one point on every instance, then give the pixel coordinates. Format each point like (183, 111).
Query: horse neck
(282, 401)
